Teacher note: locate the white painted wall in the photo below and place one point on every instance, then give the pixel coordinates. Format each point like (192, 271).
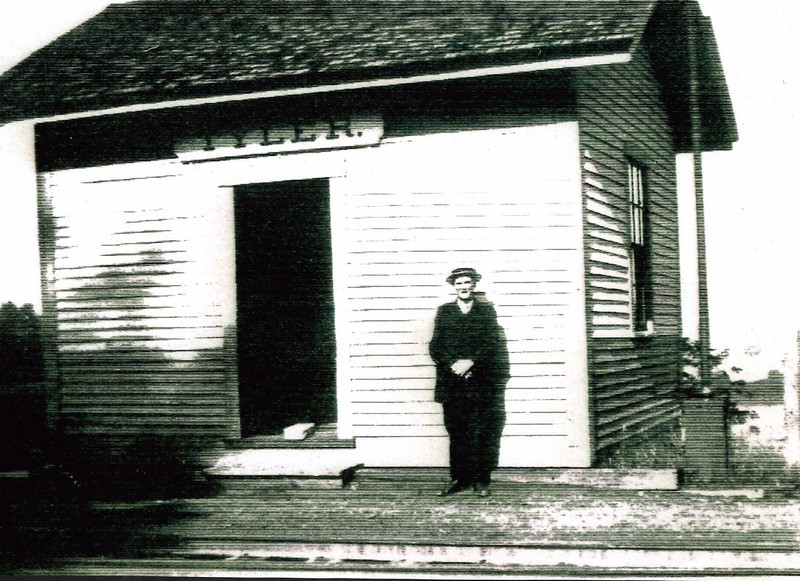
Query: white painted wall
(404, 214)
(148, 207)
(507, 202)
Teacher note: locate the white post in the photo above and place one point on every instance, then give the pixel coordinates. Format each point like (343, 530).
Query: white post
(692, 14)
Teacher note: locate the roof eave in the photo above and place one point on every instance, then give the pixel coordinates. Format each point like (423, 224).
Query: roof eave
(668, 43)
(571, 62)
(720, 130)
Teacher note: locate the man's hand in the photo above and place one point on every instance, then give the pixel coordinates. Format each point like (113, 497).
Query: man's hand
(462, 366)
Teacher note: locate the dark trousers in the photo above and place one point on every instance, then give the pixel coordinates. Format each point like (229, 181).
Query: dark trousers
(474, 428)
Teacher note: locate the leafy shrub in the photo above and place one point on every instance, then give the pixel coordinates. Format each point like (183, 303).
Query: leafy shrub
(720, 384)
(22, 421)
(658, 448)
(20, 345)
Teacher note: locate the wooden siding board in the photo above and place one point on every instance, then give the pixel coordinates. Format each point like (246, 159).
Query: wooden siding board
(658, 208)
(648, 384)
(365, 388)
(49, 320)
(606, 374)
(140, 287)
(409, 229)
(618, 117)
(623, 403)
(614, 173)
(140, 315)
(633, 422)
(632, 381)
(630, 413)
(655, 422)
(642, 379)
(623, 363)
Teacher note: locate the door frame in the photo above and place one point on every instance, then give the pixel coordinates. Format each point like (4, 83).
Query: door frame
(300, 390)
(226, 175)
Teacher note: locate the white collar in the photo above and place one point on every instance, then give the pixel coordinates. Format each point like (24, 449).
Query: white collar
(465, 307)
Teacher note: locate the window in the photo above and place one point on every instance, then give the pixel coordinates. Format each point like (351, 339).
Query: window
(641, 298)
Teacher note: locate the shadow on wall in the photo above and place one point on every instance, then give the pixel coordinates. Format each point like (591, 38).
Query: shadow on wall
(139, 411)
(503, 375)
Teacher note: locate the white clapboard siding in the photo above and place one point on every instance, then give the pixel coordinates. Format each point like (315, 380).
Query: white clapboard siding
(138, 321)
(143, 289)
(407, 408)
(387, 349)
(160, 295)
(548, 309)
(551, 287)
(393, 431)
(169, 347)
(523, 378)
(167, 274)
(69, 316)
(387, 241)
(416, 208)
(113, 254)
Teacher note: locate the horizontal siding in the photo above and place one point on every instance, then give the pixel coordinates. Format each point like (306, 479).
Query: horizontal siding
(633, 388)
(146, 339)
(632, 380)
(406, 234)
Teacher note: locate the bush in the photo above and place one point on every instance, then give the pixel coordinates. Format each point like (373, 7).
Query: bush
(720, 385)
(655, 449)
(20, 345)
(759, 465)
(22, 419)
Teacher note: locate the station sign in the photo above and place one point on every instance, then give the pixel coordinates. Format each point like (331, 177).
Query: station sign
(283, 138)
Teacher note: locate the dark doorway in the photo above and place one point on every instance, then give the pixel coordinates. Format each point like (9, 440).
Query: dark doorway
(286, 342)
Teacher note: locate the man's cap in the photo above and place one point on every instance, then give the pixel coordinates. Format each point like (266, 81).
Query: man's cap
(470, 272)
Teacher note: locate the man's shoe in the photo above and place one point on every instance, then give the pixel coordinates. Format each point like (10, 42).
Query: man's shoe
(482, 490)
(455, 486)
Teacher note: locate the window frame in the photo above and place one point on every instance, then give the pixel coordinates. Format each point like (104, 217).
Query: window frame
(641, 295)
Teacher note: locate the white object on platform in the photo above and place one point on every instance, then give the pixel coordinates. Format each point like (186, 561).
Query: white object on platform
(297, 431)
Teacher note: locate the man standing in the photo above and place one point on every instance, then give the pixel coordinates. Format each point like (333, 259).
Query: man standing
(468, 348)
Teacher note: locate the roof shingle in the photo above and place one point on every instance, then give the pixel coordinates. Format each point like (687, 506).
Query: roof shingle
(157, 50)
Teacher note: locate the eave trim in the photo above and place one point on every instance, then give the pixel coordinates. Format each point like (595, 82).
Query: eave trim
(567, 63)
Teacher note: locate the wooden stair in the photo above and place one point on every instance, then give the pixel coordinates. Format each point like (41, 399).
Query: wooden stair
(321, 455)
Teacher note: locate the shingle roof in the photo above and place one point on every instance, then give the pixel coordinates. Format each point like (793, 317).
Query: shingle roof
(157, 50)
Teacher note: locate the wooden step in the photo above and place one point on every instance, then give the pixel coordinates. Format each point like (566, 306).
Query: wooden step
(323, 437)
(309, 462)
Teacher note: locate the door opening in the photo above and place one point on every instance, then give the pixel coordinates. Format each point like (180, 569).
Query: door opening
(285, 312)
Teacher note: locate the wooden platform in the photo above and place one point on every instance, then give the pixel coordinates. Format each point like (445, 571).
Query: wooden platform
(322, 455)
(331, 471)
(323, 437)
(395, 522)
(623, 479)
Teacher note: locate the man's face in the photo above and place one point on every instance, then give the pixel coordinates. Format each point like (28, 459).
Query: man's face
(465, 287)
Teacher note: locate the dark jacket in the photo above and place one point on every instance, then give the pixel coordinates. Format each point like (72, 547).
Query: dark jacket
(474, 336)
